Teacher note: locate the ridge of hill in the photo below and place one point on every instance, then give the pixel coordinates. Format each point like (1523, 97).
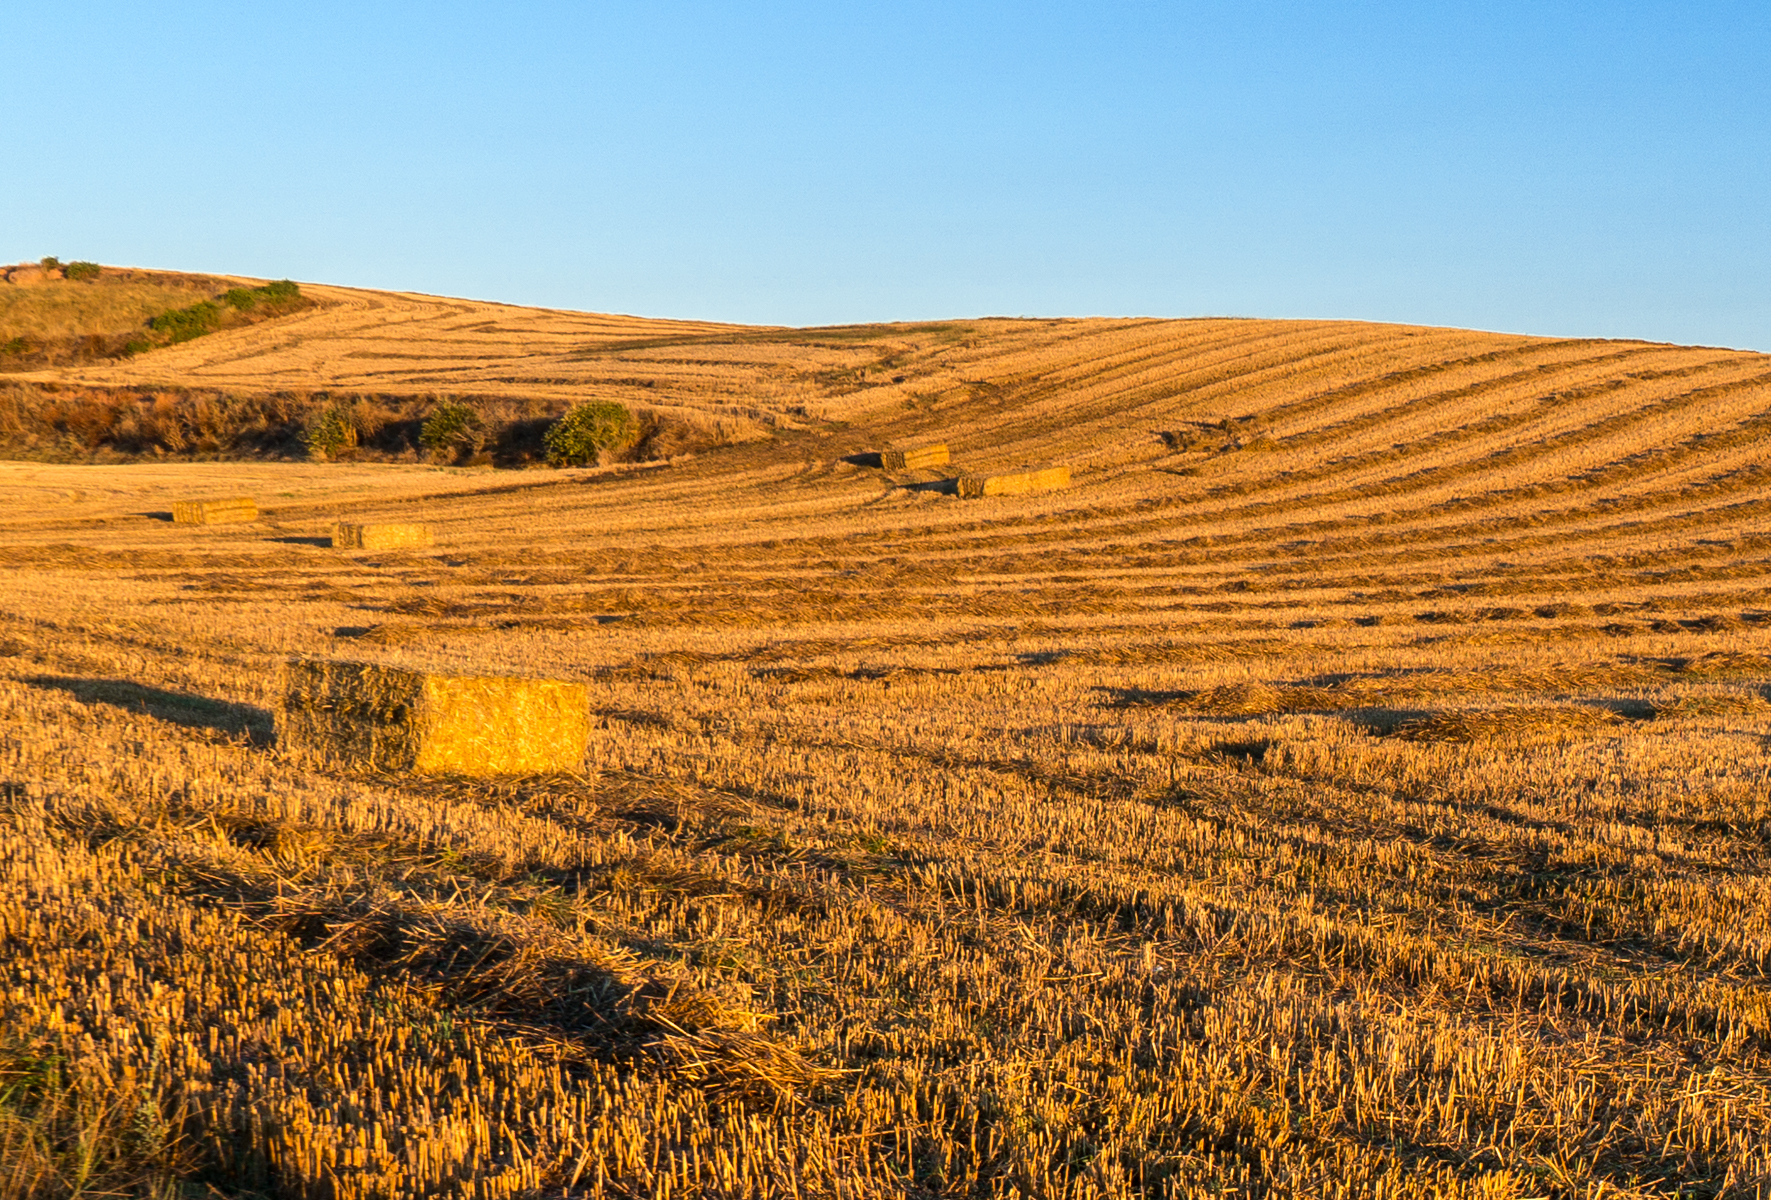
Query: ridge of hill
(1311, 398)
(1355, 783)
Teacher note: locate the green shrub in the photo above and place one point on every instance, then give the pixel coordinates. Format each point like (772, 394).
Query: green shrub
(207, 316)
(183, 324)
(49, 262)
(451, 430)
(247, 299)
(329, 433)
(82, 270)
(581, 436)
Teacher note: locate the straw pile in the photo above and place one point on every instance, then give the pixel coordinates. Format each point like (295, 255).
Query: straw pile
(1511, 724)
(385, 536)
(214, 512)
(922, 456)
(391, 719)
(1727, 704)
(973, 486)
(1723, 664)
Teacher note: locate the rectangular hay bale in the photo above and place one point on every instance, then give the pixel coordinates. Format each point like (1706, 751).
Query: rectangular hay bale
(922, 456)
(1020, 483)
(387, 535)
(214, 512)
(395, 719)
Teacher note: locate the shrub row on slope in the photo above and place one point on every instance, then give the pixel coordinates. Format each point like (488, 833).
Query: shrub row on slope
(234, 307)
(85, 424)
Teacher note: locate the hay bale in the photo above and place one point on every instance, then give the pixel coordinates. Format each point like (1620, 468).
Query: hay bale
(387, 535)
(1020, 483)
(392, 719)
(922, 456)
(214, 512)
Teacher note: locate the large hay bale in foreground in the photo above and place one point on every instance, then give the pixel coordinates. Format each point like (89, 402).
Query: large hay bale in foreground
(922, 456)
(392, 719)
(383, 536)
(214, 512)
(971, 487)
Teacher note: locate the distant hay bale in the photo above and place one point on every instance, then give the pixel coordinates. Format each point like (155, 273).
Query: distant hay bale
(382, 536)
(392, 719)
(971, 487)
(922, 456)
(214, 512)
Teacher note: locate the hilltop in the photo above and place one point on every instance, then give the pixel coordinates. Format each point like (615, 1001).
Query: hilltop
(1353, 783)
(1103, 395)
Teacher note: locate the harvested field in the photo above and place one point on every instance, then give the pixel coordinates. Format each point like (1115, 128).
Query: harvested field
(1353, 784)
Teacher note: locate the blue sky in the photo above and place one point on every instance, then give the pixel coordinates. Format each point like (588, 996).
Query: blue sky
(1546, 168)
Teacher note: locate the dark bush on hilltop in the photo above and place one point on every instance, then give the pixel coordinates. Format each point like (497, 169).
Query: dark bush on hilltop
(584, 435)
(49, 262)
(82, 271)
(271, 295)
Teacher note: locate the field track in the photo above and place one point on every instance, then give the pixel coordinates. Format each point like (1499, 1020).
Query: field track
(1355, 783)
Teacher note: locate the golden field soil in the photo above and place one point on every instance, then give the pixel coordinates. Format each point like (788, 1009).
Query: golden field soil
(1355, 784)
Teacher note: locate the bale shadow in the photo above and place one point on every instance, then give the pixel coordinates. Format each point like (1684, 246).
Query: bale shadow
(302, 541)
(946, 487)
(1248, 752)
(1137, 697)
(870, 459)
(179, 708)
(154, 516)
(522, 441)
(1629, 709)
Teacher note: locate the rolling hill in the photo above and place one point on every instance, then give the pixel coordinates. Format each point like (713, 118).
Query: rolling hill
(1354, 783)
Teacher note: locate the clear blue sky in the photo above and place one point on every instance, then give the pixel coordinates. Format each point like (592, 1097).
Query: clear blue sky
(1599, 169)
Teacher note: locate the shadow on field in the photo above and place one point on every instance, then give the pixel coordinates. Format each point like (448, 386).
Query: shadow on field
(302, 541)
(1384, 721)
(869, 459)
(155, 516)
(1137, 697)
(180, 708)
